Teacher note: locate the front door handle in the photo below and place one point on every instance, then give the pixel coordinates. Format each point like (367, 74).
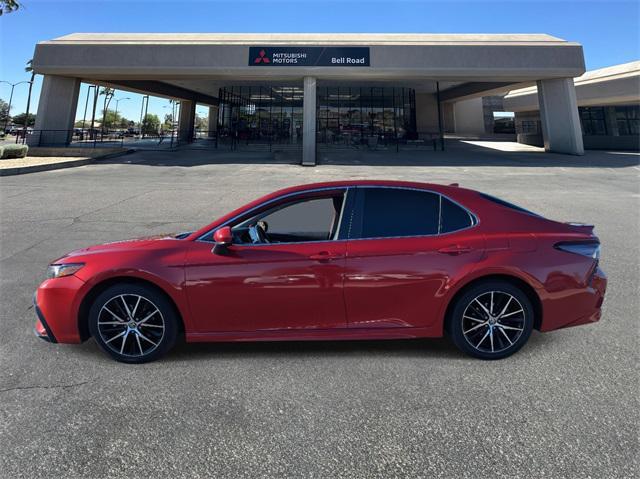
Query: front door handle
(325, 256)
(455, 249)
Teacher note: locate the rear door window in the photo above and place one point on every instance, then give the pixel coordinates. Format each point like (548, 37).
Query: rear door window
(395, 212)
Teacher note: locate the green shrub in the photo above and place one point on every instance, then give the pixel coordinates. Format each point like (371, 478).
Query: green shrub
(14, 151)
(1, 151)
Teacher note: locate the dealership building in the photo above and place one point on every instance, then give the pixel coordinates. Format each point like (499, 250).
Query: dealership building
(318, 89)
(608, 106)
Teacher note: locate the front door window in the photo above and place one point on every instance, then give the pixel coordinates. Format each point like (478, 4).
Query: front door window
(302, 220)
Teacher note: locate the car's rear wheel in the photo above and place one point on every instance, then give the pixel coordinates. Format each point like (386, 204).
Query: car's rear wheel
(133, 323)
(492, 320)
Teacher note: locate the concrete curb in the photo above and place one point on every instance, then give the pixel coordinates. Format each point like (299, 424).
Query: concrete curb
(21, 170)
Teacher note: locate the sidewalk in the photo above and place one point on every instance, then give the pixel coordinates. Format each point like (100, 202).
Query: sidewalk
(59, 159)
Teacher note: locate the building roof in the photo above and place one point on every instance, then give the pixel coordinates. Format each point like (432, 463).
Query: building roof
(614, 85)
(615, 72)
(311, 39)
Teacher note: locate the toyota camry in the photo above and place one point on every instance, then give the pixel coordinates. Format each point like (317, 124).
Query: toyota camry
(333, 261)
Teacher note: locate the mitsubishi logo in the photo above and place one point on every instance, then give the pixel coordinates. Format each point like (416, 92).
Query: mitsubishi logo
(262, 57)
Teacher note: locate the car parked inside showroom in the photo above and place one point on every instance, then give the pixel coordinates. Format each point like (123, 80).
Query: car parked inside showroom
(342, 260)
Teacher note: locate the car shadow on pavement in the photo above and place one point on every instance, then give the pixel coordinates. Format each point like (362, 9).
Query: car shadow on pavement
(436, 348)
(427, 348)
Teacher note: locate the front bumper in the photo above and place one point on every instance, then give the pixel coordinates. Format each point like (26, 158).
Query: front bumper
(42, 329)
(56, 303)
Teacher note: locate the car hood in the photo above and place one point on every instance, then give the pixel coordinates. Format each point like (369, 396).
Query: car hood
(124, 245)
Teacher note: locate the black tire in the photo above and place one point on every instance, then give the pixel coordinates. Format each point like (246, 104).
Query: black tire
(496, 338)
(114, 315)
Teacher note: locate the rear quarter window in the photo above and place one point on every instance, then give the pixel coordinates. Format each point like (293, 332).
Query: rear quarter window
(453, 217)
(506, 204)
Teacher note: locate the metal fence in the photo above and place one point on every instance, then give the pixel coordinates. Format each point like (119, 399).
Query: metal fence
(224, 140)
(78, 138)
(417, 141)
(235, 140)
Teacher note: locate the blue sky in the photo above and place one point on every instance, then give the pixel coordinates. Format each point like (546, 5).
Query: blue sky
(608, 30)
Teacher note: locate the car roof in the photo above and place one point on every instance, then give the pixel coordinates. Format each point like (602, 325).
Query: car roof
(352, 183)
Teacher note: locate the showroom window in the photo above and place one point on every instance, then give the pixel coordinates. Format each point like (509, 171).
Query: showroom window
(628, 120)
(592, 120)
(529, 127)
(260, 114)
(352, 116)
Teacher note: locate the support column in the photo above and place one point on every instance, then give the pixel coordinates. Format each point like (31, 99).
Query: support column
(309, 122)
(56, 111)
(213, 121)
(559, 116)
(186, 121)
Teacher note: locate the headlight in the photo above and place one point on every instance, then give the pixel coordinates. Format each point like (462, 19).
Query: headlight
(60, 270)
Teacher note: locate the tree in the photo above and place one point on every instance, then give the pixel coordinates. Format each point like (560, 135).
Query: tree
(108, 95)
(124, 123)
(111, 119)
(168, 122)
(4, 111)
(150, 124)
(8, 6)
(20, 119)
(202, 123)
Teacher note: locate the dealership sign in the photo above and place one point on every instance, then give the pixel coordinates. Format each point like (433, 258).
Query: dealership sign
(309, 56)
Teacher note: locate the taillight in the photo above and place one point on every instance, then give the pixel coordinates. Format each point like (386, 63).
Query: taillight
(590, 249)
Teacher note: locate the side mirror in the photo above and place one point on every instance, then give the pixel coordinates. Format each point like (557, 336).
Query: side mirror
(223, 239)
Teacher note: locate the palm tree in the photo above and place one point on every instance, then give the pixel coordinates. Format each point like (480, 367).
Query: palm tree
(29, 69)
(8, 6)
(108, 95)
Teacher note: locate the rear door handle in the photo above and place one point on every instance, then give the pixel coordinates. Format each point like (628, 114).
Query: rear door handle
(325, 256)
(455, 249)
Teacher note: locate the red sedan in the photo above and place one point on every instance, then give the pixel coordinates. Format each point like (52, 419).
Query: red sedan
(341, 260)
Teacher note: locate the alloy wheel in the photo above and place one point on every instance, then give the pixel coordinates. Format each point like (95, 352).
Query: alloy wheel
(493, 321)
(131, 325)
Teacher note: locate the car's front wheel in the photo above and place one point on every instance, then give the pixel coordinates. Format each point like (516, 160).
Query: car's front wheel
(133, 323)
(492, 320)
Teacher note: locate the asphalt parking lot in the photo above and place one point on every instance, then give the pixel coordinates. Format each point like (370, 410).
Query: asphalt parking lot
(565, 406)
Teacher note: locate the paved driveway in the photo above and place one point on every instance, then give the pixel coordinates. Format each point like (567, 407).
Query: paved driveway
(566, 405)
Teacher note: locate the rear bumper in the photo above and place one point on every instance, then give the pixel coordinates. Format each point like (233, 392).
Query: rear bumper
(582, 306)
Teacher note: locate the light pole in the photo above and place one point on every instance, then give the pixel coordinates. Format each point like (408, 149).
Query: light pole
(145, 101)
(118, 100)
(86, 104)
(92, 134)
(174, 112)
(13, 85)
